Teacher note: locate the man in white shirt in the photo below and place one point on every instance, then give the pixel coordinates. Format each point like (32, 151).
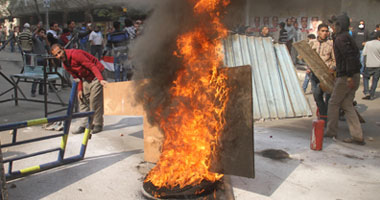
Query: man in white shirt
(371, 53)
(96, 41)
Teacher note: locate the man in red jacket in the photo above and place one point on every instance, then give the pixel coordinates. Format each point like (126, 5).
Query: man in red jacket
(88, 69)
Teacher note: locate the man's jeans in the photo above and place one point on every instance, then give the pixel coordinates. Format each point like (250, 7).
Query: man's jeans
(120, 71)
(321, 99)
(40, 83)
(375, 73)
(97, 49)
(362, 62)
(306, 82)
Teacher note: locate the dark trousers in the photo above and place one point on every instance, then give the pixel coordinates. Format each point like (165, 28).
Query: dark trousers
(97, 49)
(321, 99)
(289, 45)
(375, 73)
(40, 62)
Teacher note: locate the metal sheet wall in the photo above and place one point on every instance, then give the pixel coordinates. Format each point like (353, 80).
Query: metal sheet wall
(277, 93)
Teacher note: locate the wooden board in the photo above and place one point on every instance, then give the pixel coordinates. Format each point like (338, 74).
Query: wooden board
(236, 155)
(316, 64)
(119, 100)
(236, 152)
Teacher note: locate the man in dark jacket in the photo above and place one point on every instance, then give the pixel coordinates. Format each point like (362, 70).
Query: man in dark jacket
(361, 36)
(88, 69)
(347, 82)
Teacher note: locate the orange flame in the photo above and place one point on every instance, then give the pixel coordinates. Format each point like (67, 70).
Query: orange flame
(200, 94)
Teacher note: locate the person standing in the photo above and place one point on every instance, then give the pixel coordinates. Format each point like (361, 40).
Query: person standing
(361, 36)
(26, 43)
(52, 34)
(2, 35)
(283, 38)
(118, 43)
(324, 47)
(371, 55)
(347, 56)
(291, 34)
(40, 47)
(130, 28)
(88, 69)
(96, 41)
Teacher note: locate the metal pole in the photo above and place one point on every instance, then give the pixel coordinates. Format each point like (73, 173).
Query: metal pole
(47, 6)
(47, 19)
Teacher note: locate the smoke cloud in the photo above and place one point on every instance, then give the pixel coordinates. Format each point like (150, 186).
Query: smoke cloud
(153, 53)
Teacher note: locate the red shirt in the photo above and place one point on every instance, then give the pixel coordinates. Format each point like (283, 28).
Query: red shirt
(64, 38)
(83, 65)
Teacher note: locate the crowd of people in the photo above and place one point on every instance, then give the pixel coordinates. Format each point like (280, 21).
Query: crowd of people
(79, 50)
(349, 52)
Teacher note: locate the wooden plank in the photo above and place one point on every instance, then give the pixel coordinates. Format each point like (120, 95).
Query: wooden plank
(316, 64)
(236, 149)
(119, 99)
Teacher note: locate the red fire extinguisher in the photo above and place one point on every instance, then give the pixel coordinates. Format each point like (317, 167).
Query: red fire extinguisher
(317, 135)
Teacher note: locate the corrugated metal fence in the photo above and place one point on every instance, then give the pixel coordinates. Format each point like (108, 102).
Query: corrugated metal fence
(277, 93)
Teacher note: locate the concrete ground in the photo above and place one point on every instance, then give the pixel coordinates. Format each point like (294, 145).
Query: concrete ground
(114, 167)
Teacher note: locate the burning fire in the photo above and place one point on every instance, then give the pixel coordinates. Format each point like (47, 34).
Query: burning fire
(200, 94)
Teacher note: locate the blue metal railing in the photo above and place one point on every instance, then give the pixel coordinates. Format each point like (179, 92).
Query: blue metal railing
(61, 160)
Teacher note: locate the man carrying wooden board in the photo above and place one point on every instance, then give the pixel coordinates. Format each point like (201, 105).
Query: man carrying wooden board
(325, 49)
(342, 89)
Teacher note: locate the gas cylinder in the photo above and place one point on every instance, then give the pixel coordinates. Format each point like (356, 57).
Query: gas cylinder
(317, 135)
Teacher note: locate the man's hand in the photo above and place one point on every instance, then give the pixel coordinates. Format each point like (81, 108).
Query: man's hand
(103, 83)
(80, 94)
(350, 83)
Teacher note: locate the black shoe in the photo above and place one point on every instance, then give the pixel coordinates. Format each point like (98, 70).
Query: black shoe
(368, 97)
(97, 129)
(80, 130)
(353, 141)
(33, 95)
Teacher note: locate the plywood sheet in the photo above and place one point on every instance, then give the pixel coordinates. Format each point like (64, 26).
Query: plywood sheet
(119, 100)
(236, 149)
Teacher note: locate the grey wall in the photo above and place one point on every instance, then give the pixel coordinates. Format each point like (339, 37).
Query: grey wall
(368, 10)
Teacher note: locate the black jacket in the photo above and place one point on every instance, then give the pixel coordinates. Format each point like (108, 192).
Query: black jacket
(360, 36)
(347, 54)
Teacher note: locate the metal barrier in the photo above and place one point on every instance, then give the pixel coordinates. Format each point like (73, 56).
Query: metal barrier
(61, 160)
